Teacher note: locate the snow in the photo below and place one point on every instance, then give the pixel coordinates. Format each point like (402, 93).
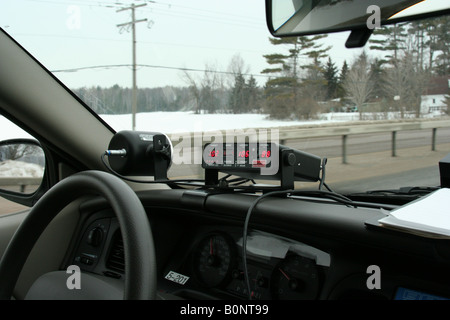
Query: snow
(180, 122)
(183, 122)
(13, 168)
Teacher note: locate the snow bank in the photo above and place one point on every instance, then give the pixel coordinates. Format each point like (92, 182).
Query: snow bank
(13, 168)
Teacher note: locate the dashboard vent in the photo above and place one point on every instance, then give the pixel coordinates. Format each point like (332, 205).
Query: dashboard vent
(116, 257)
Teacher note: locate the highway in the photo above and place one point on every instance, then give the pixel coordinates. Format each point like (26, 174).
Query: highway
(367, 143)
(428, 176)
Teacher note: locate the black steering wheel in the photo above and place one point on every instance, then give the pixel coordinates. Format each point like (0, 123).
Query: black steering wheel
(140, 271)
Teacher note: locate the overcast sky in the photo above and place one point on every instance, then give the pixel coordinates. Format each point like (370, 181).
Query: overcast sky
(73, 34)
(65, 34)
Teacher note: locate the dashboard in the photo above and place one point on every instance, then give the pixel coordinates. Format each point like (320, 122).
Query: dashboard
(297, 248)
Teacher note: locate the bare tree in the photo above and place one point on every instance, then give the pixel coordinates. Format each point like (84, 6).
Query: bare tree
(194, 88)
(358, 83)
(213, 89)
(16, 151)
(208, 91)
(236, 67)
(405, 85)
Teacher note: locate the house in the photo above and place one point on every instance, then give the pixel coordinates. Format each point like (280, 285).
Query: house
(433, 99)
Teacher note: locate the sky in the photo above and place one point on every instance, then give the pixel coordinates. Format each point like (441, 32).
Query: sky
(82, 36)
(194, 34)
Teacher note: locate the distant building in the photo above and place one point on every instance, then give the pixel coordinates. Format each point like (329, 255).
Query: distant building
(433, 99)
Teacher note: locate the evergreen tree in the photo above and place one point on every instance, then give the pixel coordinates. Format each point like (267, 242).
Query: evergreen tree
(252, 94)
(392, 41)
(378, 75)
(282, 91)
(443, 45)
(238, 103)
(331, 77)
(340, 90)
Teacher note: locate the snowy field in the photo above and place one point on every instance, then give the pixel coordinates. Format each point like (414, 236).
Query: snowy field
(179, 122)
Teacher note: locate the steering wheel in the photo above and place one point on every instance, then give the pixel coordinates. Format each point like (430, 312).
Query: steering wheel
(140, 271)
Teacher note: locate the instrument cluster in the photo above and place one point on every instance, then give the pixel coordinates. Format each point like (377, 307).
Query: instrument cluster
(277, 268)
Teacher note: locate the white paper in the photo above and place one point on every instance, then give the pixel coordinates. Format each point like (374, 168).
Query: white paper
(430, 214)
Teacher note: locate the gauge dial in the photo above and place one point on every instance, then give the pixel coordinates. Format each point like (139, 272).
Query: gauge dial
(213, 259)
(295, 278)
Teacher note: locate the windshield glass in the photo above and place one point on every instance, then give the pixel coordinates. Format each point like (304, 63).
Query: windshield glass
(379, 113)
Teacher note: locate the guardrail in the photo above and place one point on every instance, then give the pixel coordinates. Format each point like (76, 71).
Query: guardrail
(344, 130)
(21, 182)
(362, 128)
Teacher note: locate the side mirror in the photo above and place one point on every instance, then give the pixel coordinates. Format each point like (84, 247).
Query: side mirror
(22, 165)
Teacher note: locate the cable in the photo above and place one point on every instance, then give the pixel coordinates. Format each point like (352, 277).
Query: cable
(289, 193)
(248, 189)
(155, 67)
(322, 179)
(244, 235)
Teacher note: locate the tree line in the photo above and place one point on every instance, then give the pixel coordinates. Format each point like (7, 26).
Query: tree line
(302, 80)
(403, 59)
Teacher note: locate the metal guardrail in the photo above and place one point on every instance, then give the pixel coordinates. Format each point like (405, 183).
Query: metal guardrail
(344, 130)
(364, 128)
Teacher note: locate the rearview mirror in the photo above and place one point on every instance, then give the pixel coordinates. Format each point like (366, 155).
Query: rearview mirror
(22, 164)
(307, 17)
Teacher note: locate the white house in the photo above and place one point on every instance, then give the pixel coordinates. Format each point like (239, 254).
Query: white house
(433, 101)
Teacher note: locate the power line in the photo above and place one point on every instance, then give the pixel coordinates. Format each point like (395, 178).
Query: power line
(156, 67)
(133, 23)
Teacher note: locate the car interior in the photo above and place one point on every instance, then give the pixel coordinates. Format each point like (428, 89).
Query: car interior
(107, 207)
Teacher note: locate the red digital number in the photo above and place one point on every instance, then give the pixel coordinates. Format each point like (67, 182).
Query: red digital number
(243, 154)
(265, 154)
(214, 153)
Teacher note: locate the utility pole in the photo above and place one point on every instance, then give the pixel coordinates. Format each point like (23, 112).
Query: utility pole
(133, 28)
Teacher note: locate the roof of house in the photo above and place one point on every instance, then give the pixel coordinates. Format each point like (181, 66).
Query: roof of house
(438, 85)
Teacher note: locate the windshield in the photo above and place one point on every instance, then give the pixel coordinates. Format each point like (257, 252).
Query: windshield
(379, 114)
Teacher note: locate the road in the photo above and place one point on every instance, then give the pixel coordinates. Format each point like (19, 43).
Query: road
(428, 176)
(331, 147)
(367, 143)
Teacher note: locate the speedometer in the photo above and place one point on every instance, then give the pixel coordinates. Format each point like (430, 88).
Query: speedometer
(213, 259)
(295, 278)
